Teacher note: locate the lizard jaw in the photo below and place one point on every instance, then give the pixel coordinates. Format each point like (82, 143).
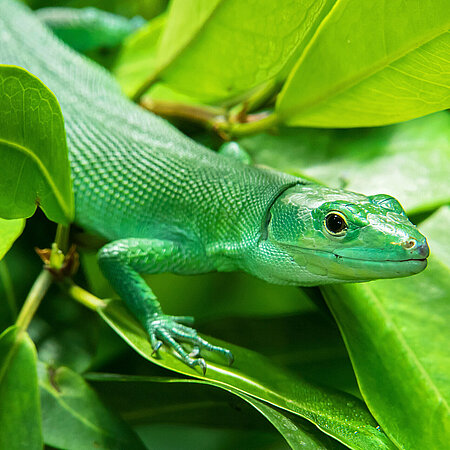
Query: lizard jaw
(344, 268)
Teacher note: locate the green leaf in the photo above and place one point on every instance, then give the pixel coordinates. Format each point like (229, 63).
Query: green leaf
(34, 166)
(435, 229)
(74, 417)
(408, 160)
(339, 415)
(10, 230)
(397, 334)
(220, 49)
(20, 415)
(297, 434)
(156, 399)
(371, 63)
(137, 58)
(306, 343)
(8, 307)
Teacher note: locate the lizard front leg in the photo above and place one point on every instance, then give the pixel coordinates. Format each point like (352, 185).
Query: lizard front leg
(123, 260)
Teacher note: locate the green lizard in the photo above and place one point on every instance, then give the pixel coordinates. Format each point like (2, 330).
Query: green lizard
(167, 204)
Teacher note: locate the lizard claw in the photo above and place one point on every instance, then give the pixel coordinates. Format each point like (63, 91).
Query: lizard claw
(156, 346)
(169, 330)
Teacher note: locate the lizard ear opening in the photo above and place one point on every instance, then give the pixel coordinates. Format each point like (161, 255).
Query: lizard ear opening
(265, 227)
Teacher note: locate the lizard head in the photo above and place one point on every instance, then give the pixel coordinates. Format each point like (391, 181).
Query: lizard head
(338, 235)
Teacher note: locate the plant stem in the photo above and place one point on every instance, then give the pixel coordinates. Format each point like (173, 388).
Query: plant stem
(41, 284)
(256, 123)
(84, 297)
(203, 114)
(34, 298)
(62, 237)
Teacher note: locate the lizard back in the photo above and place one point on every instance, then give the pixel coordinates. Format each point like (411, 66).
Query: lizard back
(135, 175)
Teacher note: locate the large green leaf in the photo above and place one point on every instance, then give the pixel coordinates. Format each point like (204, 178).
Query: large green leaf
(20, 415)
(339, 415)
(371, 63)
(156, 399)
(220, 49)
(74, 417)
(307, 343)
(408, 160)
(137, 58)
(291, 330)
(10, 230)
(397, 335)
(297, 434)
(34, 167)
(435, 229)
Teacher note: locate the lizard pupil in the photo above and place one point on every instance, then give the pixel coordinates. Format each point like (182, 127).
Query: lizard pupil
(335, 223)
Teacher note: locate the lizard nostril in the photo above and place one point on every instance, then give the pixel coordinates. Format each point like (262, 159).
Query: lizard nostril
(424, 250)
(409, 244)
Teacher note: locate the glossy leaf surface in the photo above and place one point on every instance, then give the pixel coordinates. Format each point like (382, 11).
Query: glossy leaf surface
(20, 412)
(34, 167)
(137, 58)
(339, 415)
(220, 49)
(297, 434)
(435, 229)
(397, 335)
(74, 417)
(10, 230)
(157, 399)
(409, 160)
(371, 63)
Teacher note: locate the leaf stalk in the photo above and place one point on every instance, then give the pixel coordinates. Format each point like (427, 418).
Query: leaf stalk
(34, 298)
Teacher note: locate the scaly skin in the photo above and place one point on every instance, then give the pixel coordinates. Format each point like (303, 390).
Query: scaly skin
(86, 29)
(168, 204)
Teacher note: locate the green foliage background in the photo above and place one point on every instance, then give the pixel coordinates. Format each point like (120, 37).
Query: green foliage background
(358, 365)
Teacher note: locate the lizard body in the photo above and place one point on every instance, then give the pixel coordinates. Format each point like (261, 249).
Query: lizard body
(167, 204)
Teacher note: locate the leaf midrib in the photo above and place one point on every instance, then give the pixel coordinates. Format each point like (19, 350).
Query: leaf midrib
(333, 419)
(61, 401)
(352, 81)
(399, 335)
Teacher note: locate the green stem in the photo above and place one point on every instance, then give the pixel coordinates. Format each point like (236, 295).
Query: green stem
(256, 123)
(34, 298)
(203, 114)
(84, 297)
(41, 284)
(5, 278)
(62, 237)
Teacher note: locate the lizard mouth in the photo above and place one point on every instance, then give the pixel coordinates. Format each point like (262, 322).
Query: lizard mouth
(348, 268)
(347, 258)
(384, 268)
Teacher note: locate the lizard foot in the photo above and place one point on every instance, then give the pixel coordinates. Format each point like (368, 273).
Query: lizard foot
(171, 329)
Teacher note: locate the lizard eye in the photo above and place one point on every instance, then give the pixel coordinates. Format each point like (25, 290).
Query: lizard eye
(335, 223)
